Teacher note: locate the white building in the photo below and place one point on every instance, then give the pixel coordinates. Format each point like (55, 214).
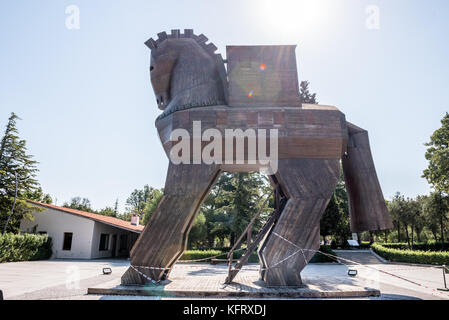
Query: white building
(83, 235)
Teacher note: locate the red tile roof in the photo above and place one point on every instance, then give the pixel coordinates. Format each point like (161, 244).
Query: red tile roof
(116, 222)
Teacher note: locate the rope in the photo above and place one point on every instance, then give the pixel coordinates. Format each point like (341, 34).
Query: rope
(299, 249)
(144, 275)
(354, 262)
(287, 258)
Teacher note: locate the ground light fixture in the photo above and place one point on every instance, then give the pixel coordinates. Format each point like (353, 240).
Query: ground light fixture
(352, 272)
(107, 270)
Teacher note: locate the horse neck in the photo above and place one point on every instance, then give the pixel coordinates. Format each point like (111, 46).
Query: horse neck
(195, 82)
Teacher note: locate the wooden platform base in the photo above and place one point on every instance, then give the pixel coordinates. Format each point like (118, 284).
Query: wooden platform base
(238, 290)
(200, 281)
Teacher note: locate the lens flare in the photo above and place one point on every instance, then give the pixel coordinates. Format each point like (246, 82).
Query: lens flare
(250, 94)
(262, 67)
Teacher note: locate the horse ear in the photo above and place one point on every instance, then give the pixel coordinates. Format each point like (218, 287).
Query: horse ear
(162, 36)
(150, 43)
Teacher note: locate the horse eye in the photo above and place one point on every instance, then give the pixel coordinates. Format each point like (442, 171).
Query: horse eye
(151, 68)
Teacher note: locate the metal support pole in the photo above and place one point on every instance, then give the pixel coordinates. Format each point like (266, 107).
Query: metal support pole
(444, 279)
(444, 276)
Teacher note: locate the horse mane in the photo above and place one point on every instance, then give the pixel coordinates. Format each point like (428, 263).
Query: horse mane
(201, 39)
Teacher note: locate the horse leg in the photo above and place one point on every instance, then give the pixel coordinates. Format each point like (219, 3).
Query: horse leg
(367, 208)
(294, 239)
(164, 238)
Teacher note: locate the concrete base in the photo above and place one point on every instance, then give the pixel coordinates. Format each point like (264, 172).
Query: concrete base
(199, 281)
(271, 293)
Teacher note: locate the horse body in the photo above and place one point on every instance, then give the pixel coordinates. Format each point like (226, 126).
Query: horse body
(191, 85)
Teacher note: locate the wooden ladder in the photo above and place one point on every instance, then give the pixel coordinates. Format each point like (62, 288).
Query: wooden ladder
(280, 201)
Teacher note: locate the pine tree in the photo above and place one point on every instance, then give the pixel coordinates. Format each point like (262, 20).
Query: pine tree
(304, 93)
(116, 207)
(15, 162)
(238, 201)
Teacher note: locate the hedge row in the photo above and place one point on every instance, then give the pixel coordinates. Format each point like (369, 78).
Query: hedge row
(363, 245)
(412, 256)
(24, 247)
(431, 246)
(320, 258)
(203, 254)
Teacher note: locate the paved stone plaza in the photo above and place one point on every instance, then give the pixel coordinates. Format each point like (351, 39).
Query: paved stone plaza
(70, 279)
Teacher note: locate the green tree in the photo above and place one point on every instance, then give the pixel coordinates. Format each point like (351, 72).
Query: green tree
(152, 202)
(419, 219)
(335, 219)
(437, 172)
(242, 194)
(107, 211)
(413, 216)
(39, 195)
(116, 213)
(305, 95)
(330, 218)
(137, 201)
(218, 224)
(230, 206)
(15, 162)
(435, 209)
(396, 207)
(78, 203)
(197, 239)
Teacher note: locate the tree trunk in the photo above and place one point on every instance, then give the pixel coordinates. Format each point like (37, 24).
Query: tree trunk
(232, 239)
(406, 234)
(210, 242)
(399, 232)
(442, 232)
(441, 222)
(412, 233)
(435, 235)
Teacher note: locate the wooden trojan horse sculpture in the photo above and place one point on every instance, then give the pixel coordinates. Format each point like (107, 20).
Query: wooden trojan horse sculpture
(206, 108)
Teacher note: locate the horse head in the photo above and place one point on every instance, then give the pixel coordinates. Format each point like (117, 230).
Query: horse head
(185, 72)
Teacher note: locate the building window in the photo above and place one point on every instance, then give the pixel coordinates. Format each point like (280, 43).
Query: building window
(104, 242)
(67, 245)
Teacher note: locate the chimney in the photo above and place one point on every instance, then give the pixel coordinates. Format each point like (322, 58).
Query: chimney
(135, 220)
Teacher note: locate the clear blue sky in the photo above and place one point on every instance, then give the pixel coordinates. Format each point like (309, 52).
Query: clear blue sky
(88, 109)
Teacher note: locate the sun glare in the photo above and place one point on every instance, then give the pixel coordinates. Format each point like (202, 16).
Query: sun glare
(295, 16)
